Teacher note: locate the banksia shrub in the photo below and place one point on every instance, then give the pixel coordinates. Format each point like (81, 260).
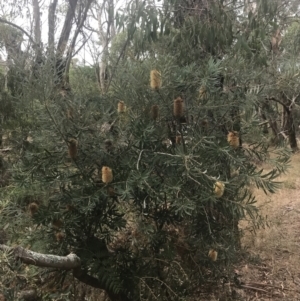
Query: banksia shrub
(219, 188)
(233, 139)
(178, 107)
(144, 176)
(213, 254)
(107, 175)
(155, 80)
(72, 144)
(121, 107)
(154, 112)
(33, 208)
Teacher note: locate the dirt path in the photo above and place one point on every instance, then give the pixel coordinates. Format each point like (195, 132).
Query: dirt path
(272, 271)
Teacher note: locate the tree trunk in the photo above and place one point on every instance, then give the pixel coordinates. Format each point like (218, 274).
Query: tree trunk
(271, 115)
(51, 27)
(65, 33)
(264, 118)
(105, 38)
(37, 37)
(288, 122)
(73, 42)
(37, 22)
(291, 130)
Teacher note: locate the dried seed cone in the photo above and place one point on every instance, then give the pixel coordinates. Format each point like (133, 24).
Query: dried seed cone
(108, 145)
(154, 112)
(213, 254)
(204, 123)
(178, 107)
(202, 92)
(33, 208)
(70, 113)
(155, 79)
(73, 148)
(110, 191)
(178, 140)
(57, 224)
(59, 236)
(70, 207)
(219, 188)
(107, 175)
(121, 107)
(234, 173)
(233, 139)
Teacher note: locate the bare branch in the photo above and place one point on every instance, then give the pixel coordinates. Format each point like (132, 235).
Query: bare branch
(20, 28)
(78, 29)
(68, 262)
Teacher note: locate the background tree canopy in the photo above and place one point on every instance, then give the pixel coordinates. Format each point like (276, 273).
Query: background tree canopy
(142, 164)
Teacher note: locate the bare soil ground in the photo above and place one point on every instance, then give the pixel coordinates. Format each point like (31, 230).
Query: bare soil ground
(271, 270)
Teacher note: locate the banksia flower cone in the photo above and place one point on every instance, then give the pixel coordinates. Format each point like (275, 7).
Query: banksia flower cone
(219, 188)
(73, 148)
(233, 139)
(121, 107)
(154, 112)
(178, 107)
(155, 80)
(33, 208)
(107, 175)
(213, 254)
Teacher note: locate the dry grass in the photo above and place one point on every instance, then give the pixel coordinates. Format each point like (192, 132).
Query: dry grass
(272, 269)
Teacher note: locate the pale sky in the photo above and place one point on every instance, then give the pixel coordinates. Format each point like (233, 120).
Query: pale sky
(24, 20)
